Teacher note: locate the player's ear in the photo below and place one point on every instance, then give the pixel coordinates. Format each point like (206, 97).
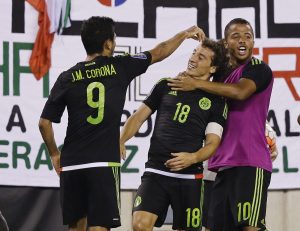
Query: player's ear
(108, 44)
(213, 69)
(225, 44)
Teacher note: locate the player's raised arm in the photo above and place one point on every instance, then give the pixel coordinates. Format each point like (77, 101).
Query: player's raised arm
(166, 48)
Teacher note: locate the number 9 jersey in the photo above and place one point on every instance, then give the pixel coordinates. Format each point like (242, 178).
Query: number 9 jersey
(94, 93)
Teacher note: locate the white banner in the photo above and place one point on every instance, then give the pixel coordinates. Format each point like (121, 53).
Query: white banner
(141, 24)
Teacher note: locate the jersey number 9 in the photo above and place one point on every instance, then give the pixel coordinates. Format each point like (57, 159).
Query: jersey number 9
(99, 104)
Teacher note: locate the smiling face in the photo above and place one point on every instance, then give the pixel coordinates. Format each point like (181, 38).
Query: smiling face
(240, 42)
(200, 62)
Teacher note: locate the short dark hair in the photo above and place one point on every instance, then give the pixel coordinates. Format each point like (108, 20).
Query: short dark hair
(220, 58)
(237, 21)
(95, 31)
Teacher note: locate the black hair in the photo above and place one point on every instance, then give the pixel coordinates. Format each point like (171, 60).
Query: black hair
(95, 31)
(220, 58)
(237, 21)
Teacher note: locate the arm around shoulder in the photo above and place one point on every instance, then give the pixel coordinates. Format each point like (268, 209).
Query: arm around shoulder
(237, 91)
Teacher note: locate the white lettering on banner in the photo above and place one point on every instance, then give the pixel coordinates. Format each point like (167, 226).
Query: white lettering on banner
(23, 156)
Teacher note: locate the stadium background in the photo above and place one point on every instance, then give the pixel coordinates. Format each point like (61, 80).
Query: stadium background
(29, 194)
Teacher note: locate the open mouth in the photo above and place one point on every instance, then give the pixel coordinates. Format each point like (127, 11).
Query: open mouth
(242, 50)
(191, 66)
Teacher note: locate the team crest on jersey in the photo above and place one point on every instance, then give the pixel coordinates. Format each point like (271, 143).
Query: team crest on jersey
(204, 103)
(139, 56)
(138, 201)
(172, 93)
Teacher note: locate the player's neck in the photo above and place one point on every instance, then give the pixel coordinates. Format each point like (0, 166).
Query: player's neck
(236, 63)
(95, 55)
(203, 77)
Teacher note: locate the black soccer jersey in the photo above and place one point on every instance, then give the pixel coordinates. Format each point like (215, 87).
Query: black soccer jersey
(180, 123)
(94, 94)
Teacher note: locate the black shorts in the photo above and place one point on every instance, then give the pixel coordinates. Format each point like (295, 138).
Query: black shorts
(239, 199)
(91, 192)
(157, 192)
(208, 186)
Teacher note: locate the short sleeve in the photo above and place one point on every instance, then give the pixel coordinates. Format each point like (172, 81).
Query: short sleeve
(153, 100)
(219, 112)
(136, 64)
(259, 72)
(55, 104)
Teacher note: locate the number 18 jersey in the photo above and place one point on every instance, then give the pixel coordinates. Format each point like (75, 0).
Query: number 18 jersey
(94, 93)
(181, 121)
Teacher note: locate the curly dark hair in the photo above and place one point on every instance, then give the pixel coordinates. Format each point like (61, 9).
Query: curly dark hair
(220, 58)
(95, 31)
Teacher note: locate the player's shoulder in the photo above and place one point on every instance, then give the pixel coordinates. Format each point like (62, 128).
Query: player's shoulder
(256, 62)
(258, 66)
(163, 80)
(65, 77)
(140, 55)
(76, 67)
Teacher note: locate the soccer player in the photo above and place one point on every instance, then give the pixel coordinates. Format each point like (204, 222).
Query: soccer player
(173, 173)
(94, 93)
(209, 178)
(243, 160)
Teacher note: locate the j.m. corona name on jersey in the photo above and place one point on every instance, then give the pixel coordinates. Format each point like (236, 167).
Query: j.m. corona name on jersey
(103, 71)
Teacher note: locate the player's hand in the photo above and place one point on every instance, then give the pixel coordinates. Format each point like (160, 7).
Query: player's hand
(180, 161)
(196, 33)
(122, 151)
(55, 158)
(274, 151)
(182, 82)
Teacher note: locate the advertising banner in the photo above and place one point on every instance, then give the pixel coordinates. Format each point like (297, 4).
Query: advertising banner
(141, 24)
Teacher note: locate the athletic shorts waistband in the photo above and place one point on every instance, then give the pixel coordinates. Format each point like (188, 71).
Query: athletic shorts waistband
(90, 165)
(175, 175)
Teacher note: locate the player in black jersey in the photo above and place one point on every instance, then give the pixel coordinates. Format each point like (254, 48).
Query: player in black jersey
(94, 93)
(184, 122)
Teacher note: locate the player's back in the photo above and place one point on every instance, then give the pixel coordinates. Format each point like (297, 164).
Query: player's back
(94, 94)
(95, 99)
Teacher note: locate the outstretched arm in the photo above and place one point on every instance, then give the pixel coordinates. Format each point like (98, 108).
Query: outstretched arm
(238, 91)
(132, 125)
(46, 130)
(183, 160)
(166, 48)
